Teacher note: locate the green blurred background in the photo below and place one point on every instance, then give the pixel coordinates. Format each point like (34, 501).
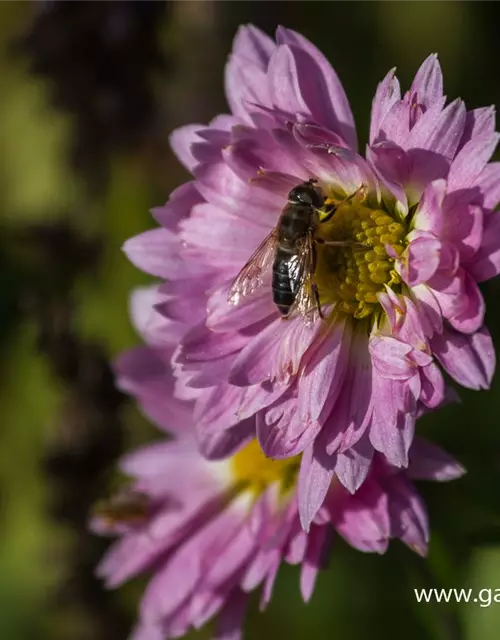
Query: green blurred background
(89, 92)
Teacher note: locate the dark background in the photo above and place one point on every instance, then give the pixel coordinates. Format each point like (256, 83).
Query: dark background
(88, 94)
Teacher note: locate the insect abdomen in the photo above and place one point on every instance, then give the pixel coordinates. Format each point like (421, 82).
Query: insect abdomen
(283, 285)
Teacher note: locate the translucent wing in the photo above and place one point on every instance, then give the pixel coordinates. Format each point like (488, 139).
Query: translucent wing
(306, 301)
(250, 277)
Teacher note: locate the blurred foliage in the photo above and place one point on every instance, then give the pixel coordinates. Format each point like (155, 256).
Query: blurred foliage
(43, 188)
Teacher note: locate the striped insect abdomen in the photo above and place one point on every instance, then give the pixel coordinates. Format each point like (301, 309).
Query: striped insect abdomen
(284, 284)
(293, 226)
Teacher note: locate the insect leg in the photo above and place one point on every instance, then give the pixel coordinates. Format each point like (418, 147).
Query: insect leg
(340, 243)
(314, 286)
(334, 208)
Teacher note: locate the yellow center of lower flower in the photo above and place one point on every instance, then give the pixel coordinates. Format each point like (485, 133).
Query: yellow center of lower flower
(352, 275)
(252, 469)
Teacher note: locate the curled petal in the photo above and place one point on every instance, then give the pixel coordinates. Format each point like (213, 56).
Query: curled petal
(353, 465)
(469, 359)
(390, 357)
(430, 462)
(182, 140)
(429, 214)
(364, 522)
(409, 519)
(423, 258)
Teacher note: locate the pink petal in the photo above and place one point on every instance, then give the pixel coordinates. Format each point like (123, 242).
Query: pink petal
(256, 362)
(478, 122)
(388, 93)
(333, 110)
(429, 309)
(313, 135)
(275, 353)
(153, 327)
(148, 632)
(314, 481)
(352, 412)
(285, 90)
(182, 308)
(469, 359)
(267, 591)
(390, 357)
(218, 444)
(323, 375)
(393, 424)
(395, 127)
(179, 205)
(281, 432)
(429, 214)
(318, 542)
(254, 45)
(470, 316)
(353, 465)
(364, 518)
(489, 184)
(408, 515)
(221, 316)
(441, 131)
(181, 141)
(471, 160)
(423, 257)
(486, 262)
(430, 462)
(392, 166)
(428, 82)
(217, 238)
(219, 185)
(202, 345)
(464, 229)
(433, 387)
(230, 621)
(154, 252)
(245, 83)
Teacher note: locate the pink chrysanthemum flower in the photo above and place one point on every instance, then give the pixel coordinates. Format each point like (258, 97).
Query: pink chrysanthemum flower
(210, 532)
(400, 295)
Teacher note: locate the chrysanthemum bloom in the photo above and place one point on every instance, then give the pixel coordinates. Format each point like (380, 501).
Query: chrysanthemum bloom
(212, 531)
(400, 297)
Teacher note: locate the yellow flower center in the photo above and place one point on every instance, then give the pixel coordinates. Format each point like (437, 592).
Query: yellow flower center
(254, 471)
(352, 275)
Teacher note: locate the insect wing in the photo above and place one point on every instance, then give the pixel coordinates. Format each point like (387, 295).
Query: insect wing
(306, 301)
(250, 277)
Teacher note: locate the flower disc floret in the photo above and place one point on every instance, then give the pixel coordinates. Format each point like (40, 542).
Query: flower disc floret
(351, 276)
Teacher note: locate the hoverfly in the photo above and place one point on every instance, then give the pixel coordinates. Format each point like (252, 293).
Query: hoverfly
(124, 508)
(291, 246)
